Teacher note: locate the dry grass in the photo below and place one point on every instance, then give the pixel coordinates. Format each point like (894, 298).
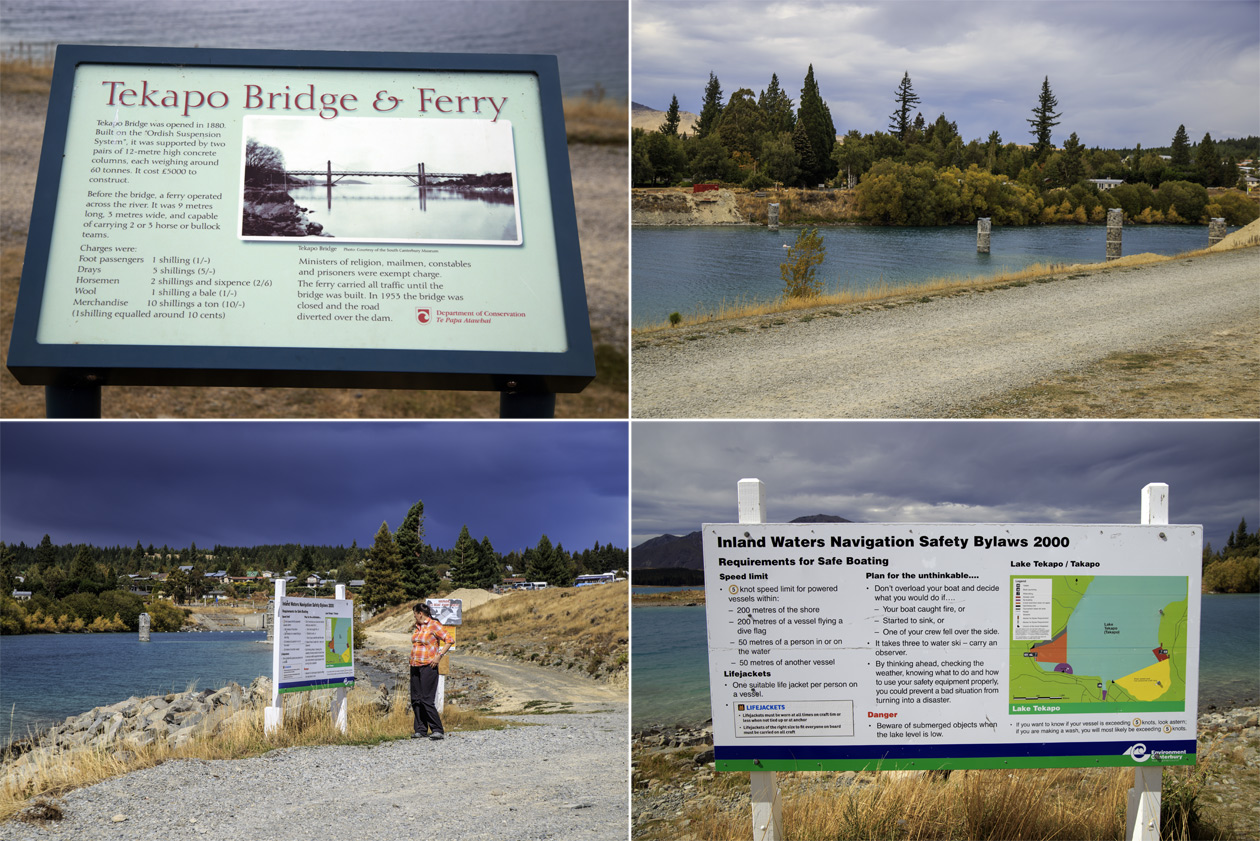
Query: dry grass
(307, 722)
(594, 119)
(18, 76)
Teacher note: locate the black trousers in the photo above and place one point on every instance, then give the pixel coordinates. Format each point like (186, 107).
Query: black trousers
(424, 683)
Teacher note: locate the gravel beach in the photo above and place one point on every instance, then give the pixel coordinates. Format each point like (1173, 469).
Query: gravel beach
(929, 359)
(564, 778)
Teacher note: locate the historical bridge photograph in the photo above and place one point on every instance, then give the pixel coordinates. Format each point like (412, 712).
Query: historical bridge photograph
(380, 180)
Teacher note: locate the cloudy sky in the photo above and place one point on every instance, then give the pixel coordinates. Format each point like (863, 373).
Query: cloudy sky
(246, 484)
(1123, 72)
(685, 474)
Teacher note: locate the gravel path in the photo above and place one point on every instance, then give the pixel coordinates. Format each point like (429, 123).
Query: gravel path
(563, 779)
(923, 360)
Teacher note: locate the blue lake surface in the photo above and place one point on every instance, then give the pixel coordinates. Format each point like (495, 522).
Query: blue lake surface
(670, 661)
(698, 269)
(44, 678)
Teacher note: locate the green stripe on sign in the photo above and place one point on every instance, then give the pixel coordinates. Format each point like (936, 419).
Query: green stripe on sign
(950, 764)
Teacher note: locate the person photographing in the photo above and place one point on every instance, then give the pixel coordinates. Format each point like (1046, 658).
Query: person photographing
(427, 650)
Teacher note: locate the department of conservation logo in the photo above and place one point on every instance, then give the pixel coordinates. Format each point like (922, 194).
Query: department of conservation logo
(423, 315)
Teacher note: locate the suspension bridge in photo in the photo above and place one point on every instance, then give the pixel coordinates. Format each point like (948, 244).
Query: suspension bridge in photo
(418, 178)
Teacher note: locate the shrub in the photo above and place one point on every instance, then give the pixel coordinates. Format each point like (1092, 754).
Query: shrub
(798, 273)
(675, 319)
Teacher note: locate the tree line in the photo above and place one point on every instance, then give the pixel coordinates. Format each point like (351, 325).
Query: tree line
(1236, 567)
(80, 587)
(759, 140)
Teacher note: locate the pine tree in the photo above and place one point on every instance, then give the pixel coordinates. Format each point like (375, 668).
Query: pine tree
(382, 579)
(906, 99)
(670, 126)
(819, 128)
(777, 107)
(465, 561)
(419, 578)
(711, 111)
(491, 567)
(741, 123)
(1180, 149)
(543, 564)
(1208, 163)
(802, 259)
(1044, 118)
(807, 161)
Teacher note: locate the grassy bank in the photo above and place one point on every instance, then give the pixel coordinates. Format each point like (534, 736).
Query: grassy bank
(307, 723)
(990, 804)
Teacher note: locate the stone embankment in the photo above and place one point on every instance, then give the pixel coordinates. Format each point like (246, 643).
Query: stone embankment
(276, 214)
(679, 207)
(137, 722)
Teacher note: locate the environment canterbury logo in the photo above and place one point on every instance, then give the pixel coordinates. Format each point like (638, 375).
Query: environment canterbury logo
(1138, 753)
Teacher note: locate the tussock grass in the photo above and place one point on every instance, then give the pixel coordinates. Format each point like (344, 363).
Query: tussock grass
(894, 295)
(307, 722)
(22, 76)
(992, 804)
(593, 119)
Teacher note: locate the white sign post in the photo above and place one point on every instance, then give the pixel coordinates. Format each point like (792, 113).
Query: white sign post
(449, 612)
(902, 646)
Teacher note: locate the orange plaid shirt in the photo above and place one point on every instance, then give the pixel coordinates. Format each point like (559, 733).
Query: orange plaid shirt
(424, 642)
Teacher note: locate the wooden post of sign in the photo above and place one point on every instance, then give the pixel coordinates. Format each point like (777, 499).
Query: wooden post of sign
(767, 807)
(340, 709)
(1142, 813)
(273, 715)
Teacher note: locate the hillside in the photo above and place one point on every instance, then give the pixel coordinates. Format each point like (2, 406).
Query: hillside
(649, 119)
(670, 551)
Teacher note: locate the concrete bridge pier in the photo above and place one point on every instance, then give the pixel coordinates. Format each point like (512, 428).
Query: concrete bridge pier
(984, 225)
(1115, 226)
(1216, 231)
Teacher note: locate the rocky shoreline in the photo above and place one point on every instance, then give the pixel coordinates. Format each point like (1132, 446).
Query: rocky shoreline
(1229, 739)
(178, 717)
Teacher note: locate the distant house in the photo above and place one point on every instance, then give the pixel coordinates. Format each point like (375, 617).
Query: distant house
(1106, 183)
(356, 584)
(22, 595)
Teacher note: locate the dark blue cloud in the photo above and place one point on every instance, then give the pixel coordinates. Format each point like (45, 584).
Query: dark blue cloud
(238, 483)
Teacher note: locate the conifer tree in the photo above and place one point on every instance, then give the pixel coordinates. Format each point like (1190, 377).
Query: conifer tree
(419, 578)
(465, 561)
(906, 99)
(1180, 150)
(1208, 163)
(820, 129)
(1044, 118)
(777, 107)
(543, 564)
(491, 567)
(711, 110)
(382, 579)
(669, 128)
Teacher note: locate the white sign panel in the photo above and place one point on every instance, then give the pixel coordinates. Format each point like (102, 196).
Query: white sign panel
(315, 639)
(952, 646)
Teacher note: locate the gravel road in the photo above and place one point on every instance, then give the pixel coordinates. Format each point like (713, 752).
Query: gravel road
(563, 779)
(922, 360)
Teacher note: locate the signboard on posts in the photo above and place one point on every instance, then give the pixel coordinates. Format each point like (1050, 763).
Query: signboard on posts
(276, 218)
(315, 642)
(911, 646)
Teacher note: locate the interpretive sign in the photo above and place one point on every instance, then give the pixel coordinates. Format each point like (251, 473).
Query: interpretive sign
(250, 217)
(447, 611)
(899, 646)
(315, 641)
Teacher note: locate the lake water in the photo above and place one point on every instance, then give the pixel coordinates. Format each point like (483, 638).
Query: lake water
(48, 677)
(590, 39)
(696, 269)
(403, 212)
(670, 663)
